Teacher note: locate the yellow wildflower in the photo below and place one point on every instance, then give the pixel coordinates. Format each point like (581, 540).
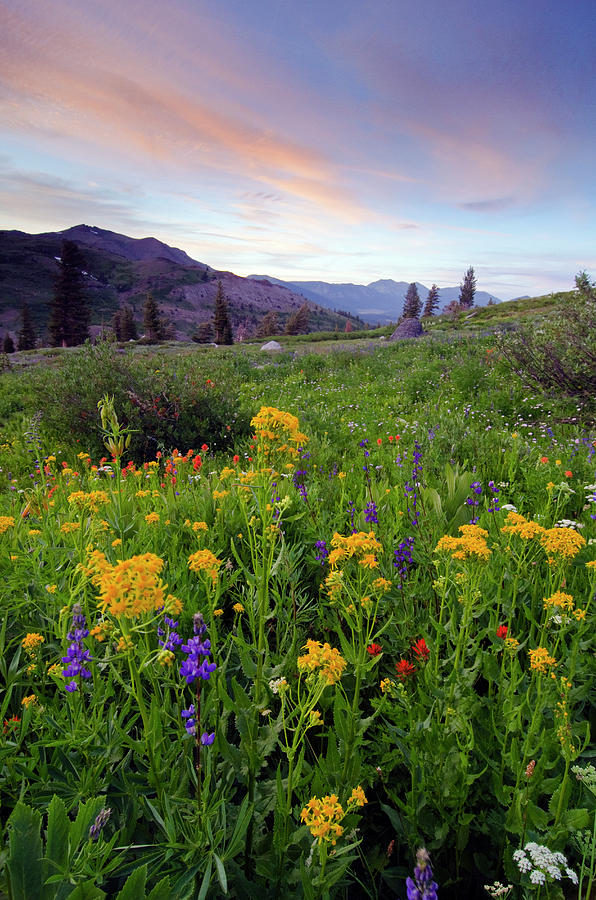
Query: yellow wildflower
(55, 670)
(322, 817)
(511, 644)
(540, 660)
(559, 600)
(28, 701)
(381, 584)
(152, 518)
(238, 608)
(562, 542)
(518, 524)
(116, 542)
(324, 658)
(199, 526)
(51, 588)
(205, 561)
(68, 527)
(471, 543)
(32, 642)
(219, 495)
(130, 587)
(34, 531)
(591, 564)
(90, 502)
(6, 522)
(579, 614)
(357, 797)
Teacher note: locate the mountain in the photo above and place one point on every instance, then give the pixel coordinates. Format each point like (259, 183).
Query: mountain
(380, 301)
(120, 271)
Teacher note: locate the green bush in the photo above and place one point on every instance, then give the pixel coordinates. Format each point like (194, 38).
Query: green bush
(166, 407)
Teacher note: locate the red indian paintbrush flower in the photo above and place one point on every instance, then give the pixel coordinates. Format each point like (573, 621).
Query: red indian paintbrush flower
(404, 668)
(502, 631)
(374, 649)
(421, 650)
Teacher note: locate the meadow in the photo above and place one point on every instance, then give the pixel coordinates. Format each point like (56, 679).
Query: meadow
(319, 624)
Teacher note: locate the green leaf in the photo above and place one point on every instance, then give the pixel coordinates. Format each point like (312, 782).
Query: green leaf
(134, 888)
(86, 891)
(57, 849)
(576, 819)
(24, 862)
(161, 891)
(221, 873)
(206, 881)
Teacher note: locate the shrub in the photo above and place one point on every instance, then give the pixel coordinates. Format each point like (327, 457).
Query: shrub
(164, 407)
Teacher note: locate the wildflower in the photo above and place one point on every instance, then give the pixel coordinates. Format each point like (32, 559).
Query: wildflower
(542, 864)
(172, 638)
(207, 739)
(502, 632)
(323, 552)
(152, 518)
(404, 669)
(322, 657)
(359, 544)
(69, 527)
(116, 542)
(530, 768)
(218, 612)
(471, 543)
(421, 650)
(544, 459)
(540, 660)
(28, 701)
(10, 724)
(205, 561)
(6, 522)
(190, 722)
(511, 644)
(374, 649)
(422, 886)
(100, 821)
(385, 685)
(278, 685)
(521, 526)
(559, 600)
(562, 542)
(381, 584)
(198, 649)
(370, 514)
(238, 608)
(129, 588)
(322, 817)
(357, 797)
(199, 526)
(90, 502)
(568, 474)
(32, 642)
(76, 655)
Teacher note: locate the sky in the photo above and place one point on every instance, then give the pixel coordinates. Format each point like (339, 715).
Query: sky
(336, 140)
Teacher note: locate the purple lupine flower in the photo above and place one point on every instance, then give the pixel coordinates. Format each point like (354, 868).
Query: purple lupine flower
(323, 551)
(298, 479)
(495, 498)
(172, 638)
(422, 887)
(193, 667)
(476, 492)
(100, 820)
(207, 739)
(411, 486)
(76, 655)
(370, 513)
(403, 559)
(352, 511)
(191, 723)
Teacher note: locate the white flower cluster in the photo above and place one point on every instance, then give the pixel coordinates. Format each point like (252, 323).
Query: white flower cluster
(542, 863)
(498, 890)
(568, 523)
(587, 775)
(276, 684)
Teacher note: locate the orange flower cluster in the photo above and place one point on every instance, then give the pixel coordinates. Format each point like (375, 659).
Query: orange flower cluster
(361, 544)
(324, 658)
(323, 815)
(6, 522)
(205, 561)
(541, 660)
(31, 642)
(277, 431)
(559, 600)
(471, 543)
(91, 502)
(132, 586)
(562, 542)
(525, 528)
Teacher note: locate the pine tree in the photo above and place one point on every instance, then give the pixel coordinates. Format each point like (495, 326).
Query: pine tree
(8, 344)
(298, 322)
(268, 325)
(26, 337)
(129, 326)
(432, 302)
(221, 320)
(203, 334)
(69, 313)
(412, 303)
(467, 289)
(151, 321)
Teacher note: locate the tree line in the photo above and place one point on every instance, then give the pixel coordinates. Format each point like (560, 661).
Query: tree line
(413, 303)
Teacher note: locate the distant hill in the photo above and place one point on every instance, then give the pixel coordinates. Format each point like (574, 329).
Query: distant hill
(379, 302)
(121, 271)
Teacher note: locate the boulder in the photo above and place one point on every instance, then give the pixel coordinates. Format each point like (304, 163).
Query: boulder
(271, 345)
(407, 328)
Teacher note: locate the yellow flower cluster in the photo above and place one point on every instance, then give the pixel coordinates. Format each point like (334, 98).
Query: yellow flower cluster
(131, 586)
(69, 527)
(518, 524)
(361, 544)
(324, 658)
(6, 522)
(322, 817)
(471, 543)
(559, 600)
(562, 542)
(226, 472)
(28, 701)
(219, 495)
(205, 561)
(276, 431)
(540, 660)
(381, 584)
(152, 518)
(91, 502)
(31, 642)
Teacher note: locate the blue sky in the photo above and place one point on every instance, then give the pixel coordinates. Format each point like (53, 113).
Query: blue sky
(335, 140)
